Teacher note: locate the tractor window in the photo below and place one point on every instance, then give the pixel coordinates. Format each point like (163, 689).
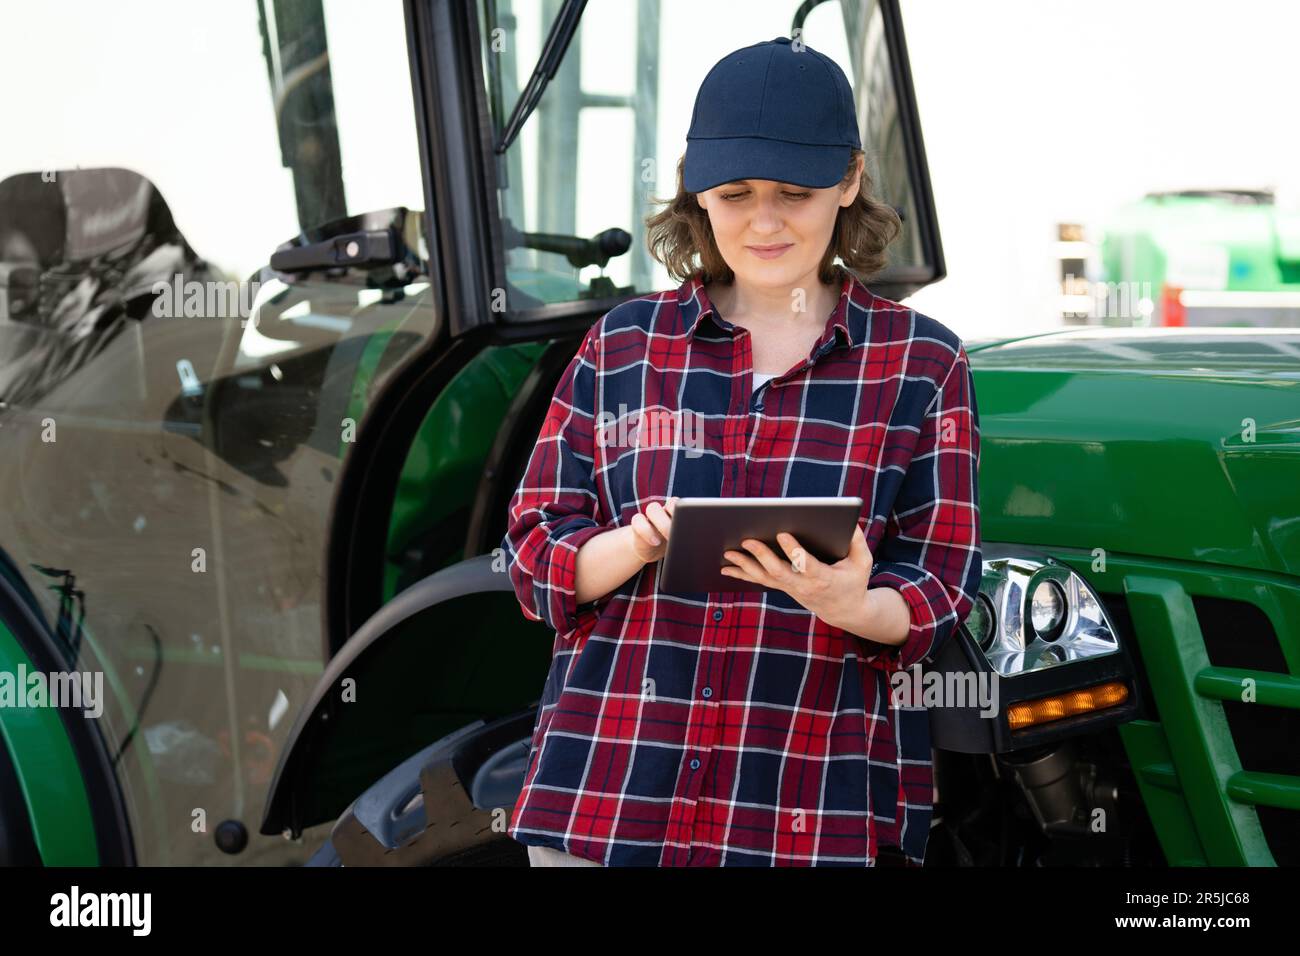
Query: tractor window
(253, 120)
(606, 137)
(173, 428)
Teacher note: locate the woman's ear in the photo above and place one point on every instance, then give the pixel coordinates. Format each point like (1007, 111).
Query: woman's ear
(855, 186)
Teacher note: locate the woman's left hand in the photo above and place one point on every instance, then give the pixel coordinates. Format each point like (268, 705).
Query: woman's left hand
(834, 592)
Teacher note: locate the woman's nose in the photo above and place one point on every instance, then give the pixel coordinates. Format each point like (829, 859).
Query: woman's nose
(767, 217)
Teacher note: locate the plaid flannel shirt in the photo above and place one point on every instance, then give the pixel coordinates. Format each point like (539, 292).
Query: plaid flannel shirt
(737, 728)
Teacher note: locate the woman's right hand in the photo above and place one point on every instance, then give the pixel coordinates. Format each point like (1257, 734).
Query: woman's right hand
(650, 530)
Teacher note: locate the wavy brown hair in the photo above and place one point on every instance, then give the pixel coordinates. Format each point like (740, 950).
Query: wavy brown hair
(681, 232)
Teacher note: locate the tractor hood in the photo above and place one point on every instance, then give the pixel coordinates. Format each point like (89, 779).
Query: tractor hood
(1207, 351)
(1171, 443)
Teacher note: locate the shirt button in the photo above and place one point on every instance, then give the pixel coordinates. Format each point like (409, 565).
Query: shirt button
(695, 763)
(707, 692)
(717, 615)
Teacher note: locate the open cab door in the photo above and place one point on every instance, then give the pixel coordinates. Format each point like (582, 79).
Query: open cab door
(546, 143)
(585, 119)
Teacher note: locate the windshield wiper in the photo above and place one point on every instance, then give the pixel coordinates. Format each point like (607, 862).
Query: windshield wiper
(557, 44)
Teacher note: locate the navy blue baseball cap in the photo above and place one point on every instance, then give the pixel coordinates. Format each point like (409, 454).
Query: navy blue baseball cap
(771, 111)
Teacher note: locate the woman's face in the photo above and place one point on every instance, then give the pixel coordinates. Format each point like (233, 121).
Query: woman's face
(752, 214)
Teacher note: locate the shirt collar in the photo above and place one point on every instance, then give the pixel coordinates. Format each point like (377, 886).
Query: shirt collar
(845, 326)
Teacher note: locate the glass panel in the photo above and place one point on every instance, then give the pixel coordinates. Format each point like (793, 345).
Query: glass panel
(172, 435)
(608, 132)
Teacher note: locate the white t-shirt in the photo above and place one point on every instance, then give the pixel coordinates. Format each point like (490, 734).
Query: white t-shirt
(760, 378)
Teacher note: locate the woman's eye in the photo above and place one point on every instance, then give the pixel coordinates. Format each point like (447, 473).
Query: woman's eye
(732, 196)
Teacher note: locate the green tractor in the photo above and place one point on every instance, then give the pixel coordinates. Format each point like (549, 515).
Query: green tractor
(259, 437)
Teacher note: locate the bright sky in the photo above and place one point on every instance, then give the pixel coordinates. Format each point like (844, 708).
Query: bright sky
(1040, 112)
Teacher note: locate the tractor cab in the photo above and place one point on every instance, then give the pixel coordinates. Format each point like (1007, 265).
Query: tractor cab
(274, 346)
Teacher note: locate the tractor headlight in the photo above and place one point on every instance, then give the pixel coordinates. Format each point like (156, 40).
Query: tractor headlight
(1034, 613)
(980, 622)
(1047, 610)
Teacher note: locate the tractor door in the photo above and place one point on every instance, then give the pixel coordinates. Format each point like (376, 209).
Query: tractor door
(550, 130)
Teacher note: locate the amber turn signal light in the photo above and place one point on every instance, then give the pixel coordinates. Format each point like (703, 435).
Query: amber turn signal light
(1099, 697)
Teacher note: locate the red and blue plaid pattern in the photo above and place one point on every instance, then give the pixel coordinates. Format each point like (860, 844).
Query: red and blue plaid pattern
(737, 728)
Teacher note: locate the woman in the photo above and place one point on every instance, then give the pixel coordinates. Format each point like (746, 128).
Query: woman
(748, 728)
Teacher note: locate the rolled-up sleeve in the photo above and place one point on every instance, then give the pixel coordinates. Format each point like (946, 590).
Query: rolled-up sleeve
(930, 552)
(554, 508)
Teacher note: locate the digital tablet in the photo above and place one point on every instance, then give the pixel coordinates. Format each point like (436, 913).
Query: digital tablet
(703, 528)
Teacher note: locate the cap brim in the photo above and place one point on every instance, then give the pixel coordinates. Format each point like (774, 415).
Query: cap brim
(712, 162)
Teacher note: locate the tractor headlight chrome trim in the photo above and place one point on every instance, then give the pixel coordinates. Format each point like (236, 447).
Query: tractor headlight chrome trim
(1042, 614)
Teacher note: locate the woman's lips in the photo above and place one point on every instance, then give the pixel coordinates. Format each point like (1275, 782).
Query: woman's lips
(769, 253)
